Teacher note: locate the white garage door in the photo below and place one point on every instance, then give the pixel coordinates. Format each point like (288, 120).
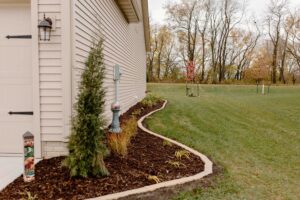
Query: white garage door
(15, 78)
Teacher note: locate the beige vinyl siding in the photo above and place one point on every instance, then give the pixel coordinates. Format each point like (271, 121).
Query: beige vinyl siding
(123, 45)
(50, 67)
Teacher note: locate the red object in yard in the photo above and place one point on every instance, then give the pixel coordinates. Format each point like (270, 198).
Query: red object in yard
(190, 71)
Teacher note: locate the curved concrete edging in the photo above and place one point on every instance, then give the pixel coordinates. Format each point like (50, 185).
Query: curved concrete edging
(129, 194)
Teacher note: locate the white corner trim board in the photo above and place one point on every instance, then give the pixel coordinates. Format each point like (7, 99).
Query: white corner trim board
(208, 168)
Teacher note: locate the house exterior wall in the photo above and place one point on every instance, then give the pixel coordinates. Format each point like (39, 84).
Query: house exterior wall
(52, 80)
(124, 44)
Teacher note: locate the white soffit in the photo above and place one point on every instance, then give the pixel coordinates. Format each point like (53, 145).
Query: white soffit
(130, 10)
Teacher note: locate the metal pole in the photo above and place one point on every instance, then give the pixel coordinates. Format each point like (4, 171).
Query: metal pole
(117, 91)
(115, 107)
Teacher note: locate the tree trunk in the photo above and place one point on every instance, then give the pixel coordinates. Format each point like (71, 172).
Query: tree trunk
(281, 77)
(203, 58)
(274, 65)
(158, 66)
(150, 70)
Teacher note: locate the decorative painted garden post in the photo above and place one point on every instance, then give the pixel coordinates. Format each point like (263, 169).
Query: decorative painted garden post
(28, 157)
(116, 107)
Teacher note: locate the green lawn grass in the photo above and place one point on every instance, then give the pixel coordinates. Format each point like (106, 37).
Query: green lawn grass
(254, 137)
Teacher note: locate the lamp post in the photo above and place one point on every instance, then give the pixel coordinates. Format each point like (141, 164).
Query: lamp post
(116, 107)
(45, 27)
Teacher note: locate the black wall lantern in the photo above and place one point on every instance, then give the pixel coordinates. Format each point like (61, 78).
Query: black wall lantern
(45, 27)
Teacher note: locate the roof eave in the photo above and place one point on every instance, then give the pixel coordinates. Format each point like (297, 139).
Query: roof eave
(129, 10)
(146, 24)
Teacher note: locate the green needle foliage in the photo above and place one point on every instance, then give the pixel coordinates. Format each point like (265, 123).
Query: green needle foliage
(86, 149)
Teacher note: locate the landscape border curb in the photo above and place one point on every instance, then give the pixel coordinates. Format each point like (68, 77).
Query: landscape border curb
(143, 192)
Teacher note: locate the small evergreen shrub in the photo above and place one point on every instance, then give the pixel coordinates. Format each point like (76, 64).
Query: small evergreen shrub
(86, 148)
(119, 142)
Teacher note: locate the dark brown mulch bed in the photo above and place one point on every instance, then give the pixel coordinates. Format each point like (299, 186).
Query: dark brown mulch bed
(147, 156)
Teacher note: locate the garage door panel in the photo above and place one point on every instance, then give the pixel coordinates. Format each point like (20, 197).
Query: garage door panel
(19, 14)
(16, 98)
(15, 78)
(12, 143)
(14, 62)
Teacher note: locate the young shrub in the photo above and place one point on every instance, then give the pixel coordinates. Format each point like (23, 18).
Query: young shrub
(167, 143)
(86, 148)
(150, 100)
(29, 196)
(154, 179)
(119, 143)
(182, 153)
(130, 127)
(136, 112)
(175, 164)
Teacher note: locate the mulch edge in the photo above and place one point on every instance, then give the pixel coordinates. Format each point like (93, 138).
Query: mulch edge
(168, 188)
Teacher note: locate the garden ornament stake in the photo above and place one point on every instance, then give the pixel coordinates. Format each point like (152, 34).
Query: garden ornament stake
(28, 175)
(115, 107)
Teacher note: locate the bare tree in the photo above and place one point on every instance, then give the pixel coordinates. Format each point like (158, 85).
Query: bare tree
(161, 45)
(184, 18)
(293, 46)
(232, 15)
(215, 36)
(203, 25)
(275, 19)
(170, 59)
(287, 29)
(214, 24)
(224, 17)
(244, 44)
(153, 50)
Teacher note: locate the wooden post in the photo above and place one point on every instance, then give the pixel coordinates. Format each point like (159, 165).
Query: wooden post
(28, 175)
(263, 88)
(198, 93)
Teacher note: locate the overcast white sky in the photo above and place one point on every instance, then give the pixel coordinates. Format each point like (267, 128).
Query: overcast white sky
(257, 7)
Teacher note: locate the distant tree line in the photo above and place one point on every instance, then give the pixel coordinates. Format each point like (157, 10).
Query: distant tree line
(224, 43)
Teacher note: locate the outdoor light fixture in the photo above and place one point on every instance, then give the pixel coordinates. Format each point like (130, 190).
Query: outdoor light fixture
(45, 27)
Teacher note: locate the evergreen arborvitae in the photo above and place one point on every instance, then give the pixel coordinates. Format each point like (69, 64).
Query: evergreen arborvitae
(86, 149)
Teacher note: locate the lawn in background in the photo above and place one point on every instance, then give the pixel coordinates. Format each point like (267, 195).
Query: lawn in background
(256, 138)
